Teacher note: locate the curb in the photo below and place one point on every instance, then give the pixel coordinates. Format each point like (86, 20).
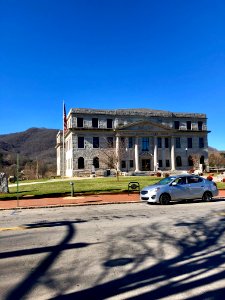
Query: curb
(67, 205)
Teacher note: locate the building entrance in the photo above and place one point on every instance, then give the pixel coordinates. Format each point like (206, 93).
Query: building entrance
(146, 165)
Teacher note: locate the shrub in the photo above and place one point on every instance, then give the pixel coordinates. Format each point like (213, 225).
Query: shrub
(209, 178)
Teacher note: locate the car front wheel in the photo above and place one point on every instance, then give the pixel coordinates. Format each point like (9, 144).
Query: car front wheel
(207, 196)
(164, 199)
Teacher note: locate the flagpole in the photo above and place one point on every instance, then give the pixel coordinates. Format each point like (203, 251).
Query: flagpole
(63, 154)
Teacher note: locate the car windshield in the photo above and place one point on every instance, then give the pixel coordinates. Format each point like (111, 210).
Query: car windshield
(166, 180)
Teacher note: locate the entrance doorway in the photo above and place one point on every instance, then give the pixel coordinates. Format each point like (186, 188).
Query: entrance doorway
(146, 165)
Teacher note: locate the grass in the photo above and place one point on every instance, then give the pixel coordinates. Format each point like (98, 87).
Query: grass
(50, 188)
(84, 186)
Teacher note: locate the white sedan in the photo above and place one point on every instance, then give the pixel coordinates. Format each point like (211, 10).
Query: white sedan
(179, 187)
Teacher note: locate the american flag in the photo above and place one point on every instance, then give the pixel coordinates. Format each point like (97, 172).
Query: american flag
(64, 118)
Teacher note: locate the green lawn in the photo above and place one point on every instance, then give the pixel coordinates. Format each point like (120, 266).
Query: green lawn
(84, 186)
(50, 188)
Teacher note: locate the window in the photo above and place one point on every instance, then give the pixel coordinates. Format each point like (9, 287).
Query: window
(131, 163)
(109, 123)
(145, 144)
(95, 142)
(201, 142)
(95, 122)
(177, 124)
(166, 142)
(200, 125)
(160, 163)
(159, 142)
(96, 162)
(80, 122)
(80, 163)
(80, 142)
(194, 179)
(178, 145)
(189, 142)
(190, 161)
(110, 142)
(122, 139)
(167, 163)
(130, 142)
(178, 161)
(188, 125)
(202, 160)
(123, 164)
(181, 180)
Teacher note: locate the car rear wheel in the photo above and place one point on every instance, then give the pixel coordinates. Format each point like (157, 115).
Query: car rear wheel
(207, 196)
(164, 199)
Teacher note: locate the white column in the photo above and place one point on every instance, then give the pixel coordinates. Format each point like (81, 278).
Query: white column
(136, 152)
(155, 153)
(117, 153)
(173, 168)
(163, 153)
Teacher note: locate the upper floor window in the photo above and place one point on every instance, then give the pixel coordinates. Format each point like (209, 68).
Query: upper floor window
(95, 122)
(122, 140)
(201, 142)
(130, 142)
(95, 142)
(109, 123)
(200, 125)
(145, 144)
(177, 124)
(189, 142)
(80, 142)
(110, 142)
(166, 142)
(178, 144)
(159, 142)
(80, 122)
(188, 125)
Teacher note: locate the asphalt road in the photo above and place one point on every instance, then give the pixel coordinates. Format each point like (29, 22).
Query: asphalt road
(125, 251)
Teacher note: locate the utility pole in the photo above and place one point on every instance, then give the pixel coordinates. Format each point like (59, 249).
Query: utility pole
(17, 179)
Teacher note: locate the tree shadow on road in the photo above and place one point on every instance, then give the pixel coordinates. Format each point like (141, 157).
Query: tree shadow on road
(54, 252)
(196, 260)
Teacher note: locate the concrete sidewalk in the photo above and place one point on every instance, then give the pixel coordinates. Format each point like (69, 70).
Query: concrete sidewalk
(27, 202)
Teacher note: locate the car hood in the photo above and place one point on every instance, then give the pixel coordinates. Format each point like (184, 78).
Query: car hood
(153, 186)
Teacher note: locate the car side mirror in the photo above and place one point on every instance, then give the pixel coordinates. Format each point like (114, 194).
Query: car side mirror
(173, 183)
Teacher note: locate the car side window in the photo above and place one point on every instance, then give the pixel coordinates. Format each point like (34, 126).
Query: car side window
(194, 179)
(181, 180)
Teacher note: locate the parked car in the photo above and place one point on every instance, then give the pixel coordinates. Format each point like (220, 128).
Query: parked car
(179, 187)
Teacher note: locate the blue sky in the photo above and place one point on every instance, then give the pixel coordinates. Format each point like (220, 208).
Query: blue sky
(162, 54)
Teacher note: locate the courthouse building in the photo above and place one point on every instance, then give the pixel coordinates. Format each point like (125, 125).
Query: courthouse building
(132, 141)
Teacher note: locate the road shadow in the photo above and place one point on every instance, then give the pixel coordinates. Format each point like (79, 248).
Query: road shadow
(198, 261)
(54, 252)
